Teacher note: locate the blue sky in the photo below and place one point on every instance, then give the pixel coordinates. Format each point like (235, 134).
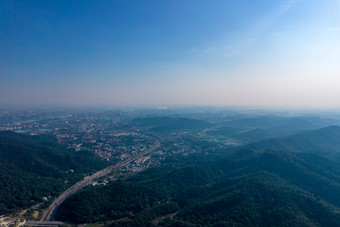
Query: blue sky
(282, 53)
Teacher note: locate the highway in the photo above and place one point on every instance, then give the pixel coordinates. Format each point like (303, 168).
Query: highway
(48, 215)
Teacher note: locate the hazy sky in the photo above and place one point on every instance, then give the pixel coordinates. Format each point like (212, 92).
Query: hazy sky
(266, 53)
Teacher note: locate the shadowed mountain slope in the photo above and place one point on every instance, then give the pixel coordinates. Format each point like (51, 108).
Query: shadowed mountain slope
(322, 141)
(255, 189)
(33, 167)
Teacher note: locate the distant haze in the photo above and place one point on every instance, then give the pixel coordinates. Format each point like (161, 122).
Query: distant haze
(240, 53)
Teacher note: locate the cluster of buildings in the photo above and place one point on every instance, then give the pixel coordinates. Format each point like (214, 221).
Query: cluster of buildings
(106, 136)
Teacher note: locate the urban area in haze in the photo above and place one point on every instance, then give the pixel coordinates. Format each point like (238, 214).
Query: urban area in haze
(170, 113)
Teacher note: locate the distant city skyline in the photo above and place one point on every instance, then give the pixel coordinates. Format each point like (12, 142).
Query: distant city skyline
(283, 53)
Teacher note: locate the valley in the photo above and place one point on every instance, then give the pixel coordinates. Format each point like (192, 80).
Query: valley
(171, 170)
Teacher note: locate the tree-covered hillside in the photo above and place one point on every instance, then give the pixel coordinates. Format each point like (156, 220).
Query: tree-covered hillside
(245, 189)
(33, 167)
(325, 141)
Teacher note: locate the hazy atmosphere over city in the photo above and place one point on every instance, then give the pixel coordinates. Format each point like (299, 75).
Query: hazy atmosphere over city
(169, 113)
(282, 53)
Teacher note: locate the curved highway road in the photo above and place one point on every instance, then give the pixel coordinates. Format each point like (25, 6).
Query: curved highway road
(48, 215)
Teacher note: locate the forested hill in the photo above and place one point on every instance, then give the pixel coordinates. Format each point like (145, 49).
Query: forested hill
(322, 141)
(33, 167)
(261, 189)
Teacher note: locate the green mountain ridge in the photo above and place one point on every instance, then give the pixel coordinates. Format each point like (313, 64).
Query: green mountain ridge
(248, 130)
(264, 188)
(33, 167)
(324, 140)
(293, 181)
